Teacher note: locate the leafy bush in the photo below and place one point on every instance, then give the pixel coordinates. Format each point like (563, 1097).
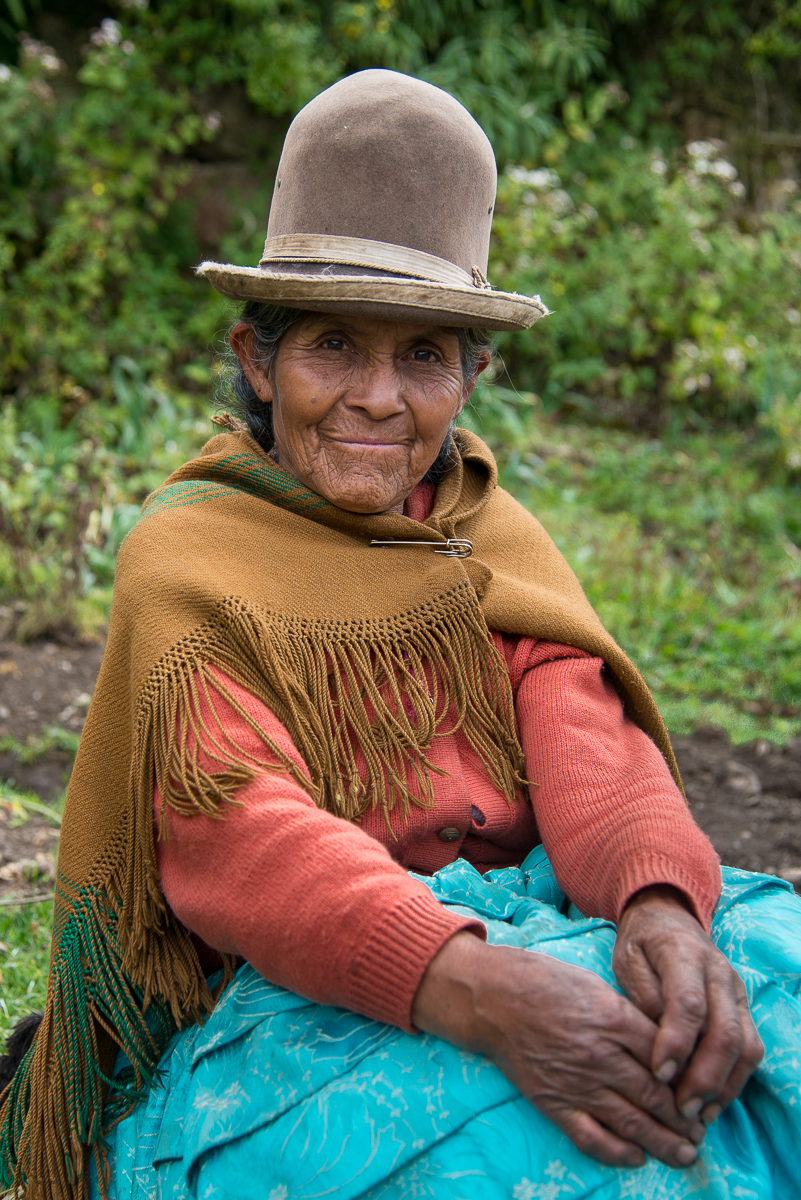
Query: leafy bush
(672, 302)
(69, 495)
(673, 297)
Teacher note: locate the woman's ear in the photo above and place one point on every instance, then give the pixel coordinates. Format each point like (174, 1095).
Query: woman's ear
(482, 363)
(243, 344)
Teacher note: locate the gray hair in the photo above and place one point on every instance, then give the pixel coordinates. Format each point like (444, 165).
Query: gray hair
(271, 322)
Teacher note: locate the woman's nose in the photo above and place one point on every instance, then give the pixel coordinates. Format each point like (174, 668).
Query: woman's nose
(378, 390)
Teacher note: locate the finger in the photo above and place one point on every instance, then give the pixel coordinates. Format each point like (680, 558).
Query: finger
(722, 1044)
(749, 1060)
(684, 1017)
(636, 1127)
(640, 1090)
(637, 977)
(592, 1139)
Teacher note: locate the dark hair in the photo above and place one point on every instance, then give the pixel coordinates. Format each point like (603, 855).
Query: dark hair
(269, 324)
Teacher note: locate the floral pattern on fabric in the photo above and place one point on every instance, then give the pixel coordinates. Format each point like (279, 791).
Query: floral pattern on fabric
(284, 1099)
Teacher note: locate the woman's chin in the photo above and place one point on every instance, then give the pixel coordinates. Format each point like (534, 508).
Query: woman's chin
(361, 490)
(366, 504)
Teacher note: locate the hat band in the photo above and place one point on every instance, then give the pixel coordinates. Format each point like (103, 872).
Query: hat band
(361, 252)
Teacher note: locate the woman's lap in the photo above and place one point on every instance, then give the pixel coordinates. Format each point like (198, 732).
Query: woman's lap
(282, 1099)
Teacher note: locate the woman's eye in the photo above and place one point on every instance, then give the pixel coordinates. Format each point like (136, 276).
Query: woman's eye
(334, 343)
(424, 356)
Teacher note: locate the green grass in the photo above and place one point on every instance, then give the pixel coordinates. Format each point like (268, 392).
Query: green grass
(24, 952)
(688, 547)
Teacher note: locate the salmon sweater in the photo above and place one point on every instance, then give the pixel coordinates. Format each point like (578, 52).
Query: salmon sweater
(327, 909)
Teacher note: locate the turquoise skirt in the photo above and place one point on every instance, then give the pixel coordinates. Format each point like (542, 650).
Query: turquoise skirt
(276, 1098)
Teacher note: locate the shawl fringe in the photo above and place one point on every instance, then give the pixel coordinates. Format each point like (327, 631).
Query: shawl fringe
(374, 694)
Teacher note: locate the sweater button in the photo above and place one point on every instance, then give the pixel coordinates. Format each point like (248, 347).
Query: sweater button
(450, 834)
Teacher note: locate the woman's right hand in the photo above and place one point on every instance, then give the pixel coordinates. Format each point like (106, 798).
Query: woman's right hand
(576, 1049)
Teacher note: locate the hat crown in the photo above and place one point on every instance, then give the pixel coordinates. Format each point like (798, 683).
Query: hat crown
(387, 158)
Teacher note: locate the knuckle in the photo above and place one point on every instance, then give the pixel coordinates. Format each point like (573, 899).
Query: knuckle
(652, 1095)
(630, 1125)
(693, 1005)
(729, 1036)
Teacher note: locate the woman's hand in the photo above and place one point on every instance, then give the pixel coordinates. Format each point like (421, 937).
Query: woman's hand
(579, 1051)
(707, 1045)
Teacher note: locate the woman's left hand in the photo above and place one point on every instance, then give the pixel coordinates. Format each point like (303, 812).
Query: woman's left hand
(707, 1045)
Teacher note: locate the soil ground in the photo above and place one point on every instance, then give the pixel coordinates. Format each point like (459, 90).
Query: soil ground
(747, 798)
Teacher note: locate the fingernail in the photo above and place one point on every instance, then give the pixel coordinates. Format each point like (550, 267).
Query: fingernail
(711, 1113)
(686, 1154)
(667, 1070)
(691, 1108)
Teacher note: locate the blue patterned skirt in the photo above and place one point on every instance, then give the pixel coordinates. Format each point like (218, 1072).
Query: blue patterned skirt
(276, 1098)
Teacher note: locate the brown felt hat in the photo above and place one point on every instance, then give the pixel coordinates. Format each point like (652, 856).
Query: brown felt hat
(382, 206)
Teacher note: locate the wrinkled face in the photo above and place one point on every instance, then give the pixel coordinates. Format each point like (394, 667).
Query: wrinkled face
(361, 406)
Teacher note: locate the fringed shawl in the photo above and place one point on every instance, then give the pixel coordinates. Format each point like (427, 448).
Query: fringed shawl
(234, 564)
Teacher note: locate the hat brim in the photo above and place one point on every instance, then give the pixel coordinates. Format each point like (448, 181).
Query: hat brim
(400, 298)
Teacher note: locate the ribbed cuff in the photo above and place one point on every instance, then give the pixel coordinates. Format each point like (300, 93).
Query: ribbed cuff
(656, 870)
(386, 975)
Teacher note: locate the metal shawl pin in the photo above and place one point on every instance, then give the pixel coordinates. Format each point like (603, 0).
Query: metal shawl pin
(453, 548)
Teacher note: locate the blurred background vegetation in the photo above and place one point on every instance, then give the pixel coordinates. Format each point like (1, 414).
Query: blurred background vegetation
(649, 155)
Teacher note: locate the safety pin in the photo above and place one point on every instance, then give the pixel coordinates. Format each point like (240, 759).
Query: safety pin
(453, 548)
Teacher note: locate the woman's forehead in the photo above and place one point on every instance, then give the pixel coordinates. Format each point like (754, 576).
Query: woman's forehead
(375, 329)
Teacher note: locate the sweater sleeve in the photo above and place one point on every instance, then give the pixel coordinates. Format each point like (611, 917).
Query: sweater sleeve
(312, 902)
(611, 817)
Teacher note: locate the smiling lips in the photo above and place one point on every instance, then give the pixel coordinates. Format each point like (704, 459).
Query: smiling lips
(367, 442)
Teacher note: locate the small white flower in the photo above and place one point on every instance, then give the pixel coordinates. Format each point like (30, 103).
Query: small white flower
(109, 33)
(735, 358)
(690, 385)
(793, 316)
(724, 170)
(45, 55)
(701, 149)
(212, 120)
(5, 73)
(542, 179)
(737, 188)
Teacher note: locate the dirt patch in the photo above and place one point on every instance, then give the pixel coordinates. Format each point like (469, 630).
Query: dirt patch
(44, 688)
(747, 798)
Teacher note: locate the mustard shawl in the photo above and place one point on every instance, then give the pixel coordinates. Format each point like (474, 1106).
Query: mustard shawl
(235, 564)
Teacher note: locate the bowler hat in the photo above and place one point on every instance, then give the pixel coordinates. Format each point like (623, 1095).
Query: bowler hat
(382, 206)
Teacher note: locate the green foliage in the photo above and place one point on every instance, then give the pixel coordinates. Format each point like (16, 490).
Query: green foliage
(674, 299)
(672, 303)
(24, 958)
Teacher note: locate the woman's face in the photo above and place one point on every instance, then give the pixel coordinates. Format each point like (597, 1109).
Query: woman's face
(361, 406)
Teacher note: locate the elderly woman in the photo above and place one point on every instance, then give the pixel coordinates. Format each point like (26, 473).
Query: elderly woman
(354, 705)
